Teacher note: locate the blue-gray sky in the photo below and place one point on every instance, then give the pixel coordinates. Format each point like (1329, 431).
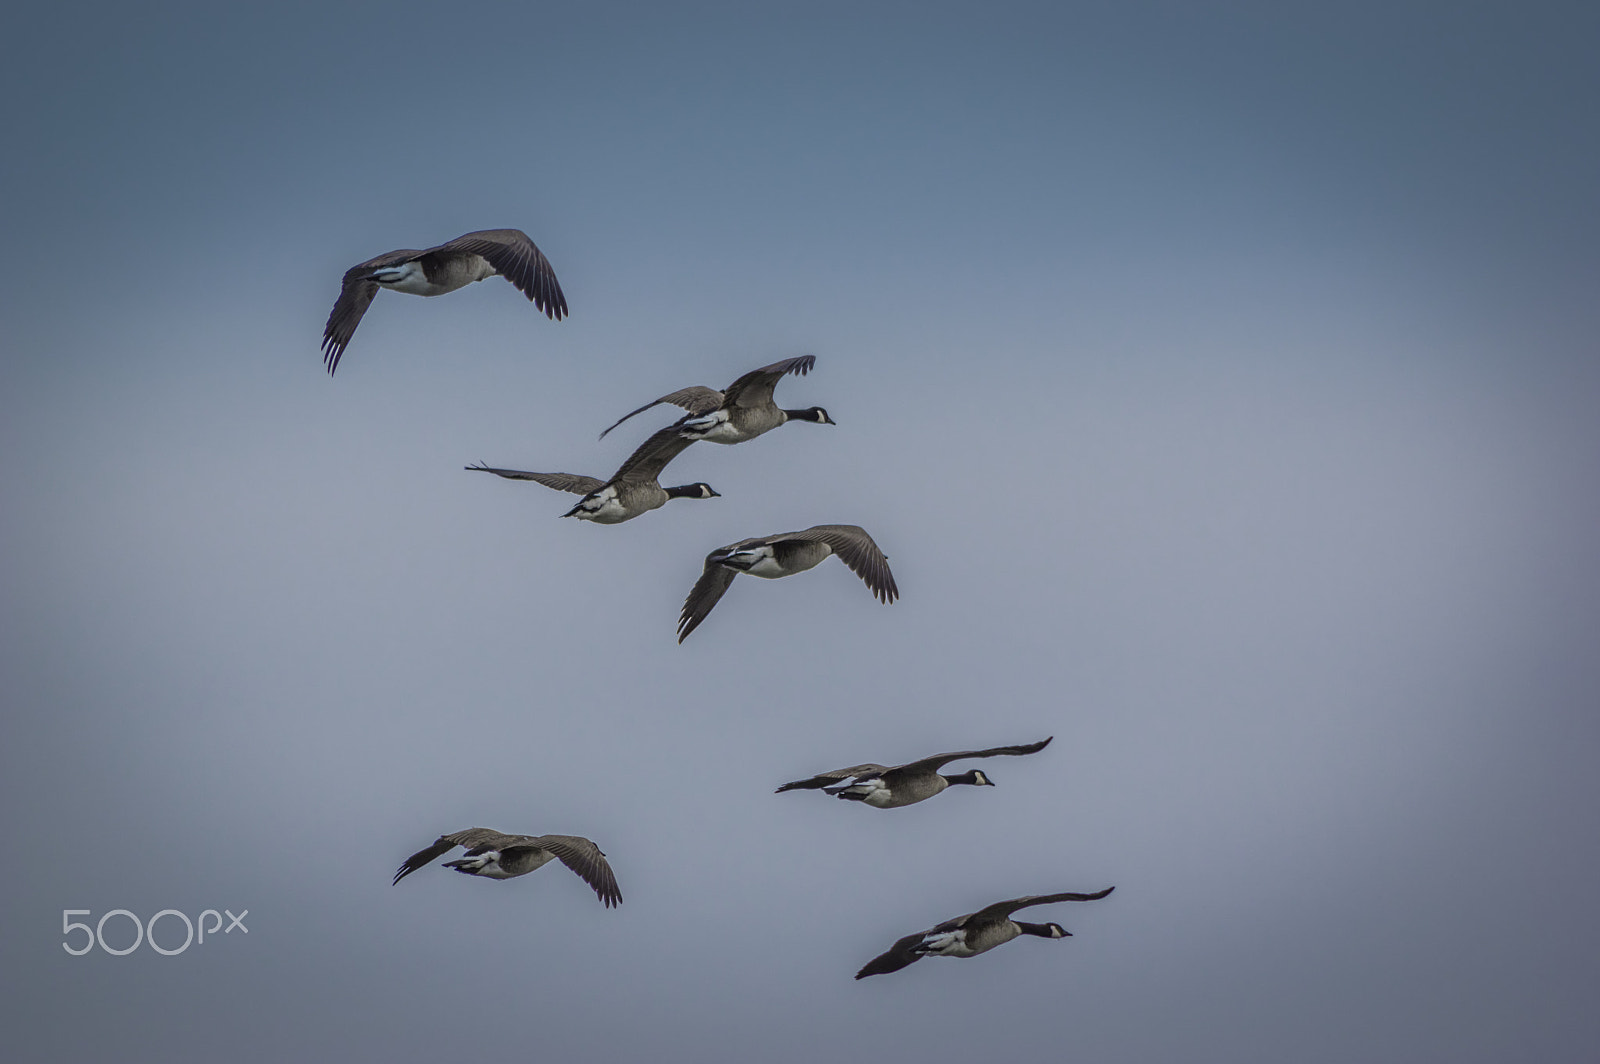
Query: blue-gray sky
(1220, 380)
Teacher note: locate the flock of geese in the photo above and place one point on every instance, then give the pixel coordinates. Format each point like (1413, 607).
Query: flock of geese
(738, 413)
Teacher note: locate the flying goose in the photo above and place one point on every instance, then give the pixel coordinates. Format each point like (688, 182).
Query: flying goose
(495, 855)
(785, 554)
(975, 933)
(742, 412)
(435, 271)
(631, 491)
(890, 788)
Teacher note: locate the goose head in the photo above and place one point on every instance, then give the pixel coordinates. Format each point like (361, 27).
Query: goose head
(1043, 930)
(701, 490)
(811, 413)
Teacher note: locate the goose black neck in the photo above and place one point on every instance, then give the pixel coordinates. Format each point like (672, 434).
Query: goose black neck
(1041, 930)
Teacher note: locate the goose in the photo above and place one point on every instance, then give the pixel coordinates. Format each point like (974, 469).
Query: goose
(496, 855)
(742, 412)
(436, 271)
(891, 788)
(785, 554)
(974, 933)
(631, 491)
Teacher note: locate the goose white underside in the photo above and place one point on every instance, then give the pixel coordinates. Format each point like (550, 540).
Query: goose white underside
(713, 428)
(483, 864)
(602, 507)
(759, 561)
(947, 944)
(410, 278)
(872, 792)
(487, 864)
(763, 562)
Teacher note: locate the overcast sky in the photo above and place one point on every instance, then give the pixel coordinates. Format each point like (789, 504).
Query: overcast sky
(1219, 379)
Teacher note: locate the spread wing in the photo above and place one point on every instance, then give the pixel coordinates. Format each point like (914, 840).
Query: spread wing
(584, 858)
(518, 260)
(578, 485)
(707, 590)
(355, 296)
(469, 838)
(858, 551)
(695, 399)
(652, 456)
(825, 778)
(897, 956)
(938, 761)
(1004, 909)
(755, 388)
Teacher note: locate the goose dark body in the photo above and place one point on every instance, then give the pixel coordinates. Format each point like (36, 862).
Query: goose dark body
(437, 271)
(743, 411)
(493, 854)
(974, 933)
(633, 489)
(883, 787)
(785, 554)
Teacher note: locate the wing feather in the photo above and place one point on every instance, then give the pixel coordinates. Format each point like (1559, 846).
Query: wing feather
(859, 553)
(1004, 909)
(356, 293)
(354, 298)
(516, 258)
(573, 482)
(938, 761)
(469, 838)
(705, 594)
(587, 860)
(646, 463)
(898, 956)
(755, 388)
(695, 399)
(825, 778)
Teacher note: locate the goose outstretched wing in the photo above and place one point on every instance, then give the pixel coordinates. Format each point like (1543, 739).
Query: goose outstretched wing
(573, 482)
(755, 388)
(516, 258)
(696, 399)
(471, 838)
(584, 858)
(938, 761)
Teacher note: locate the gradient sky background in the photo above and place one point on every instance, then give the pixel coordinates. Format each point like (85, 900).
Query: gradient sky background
(1220, 380)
